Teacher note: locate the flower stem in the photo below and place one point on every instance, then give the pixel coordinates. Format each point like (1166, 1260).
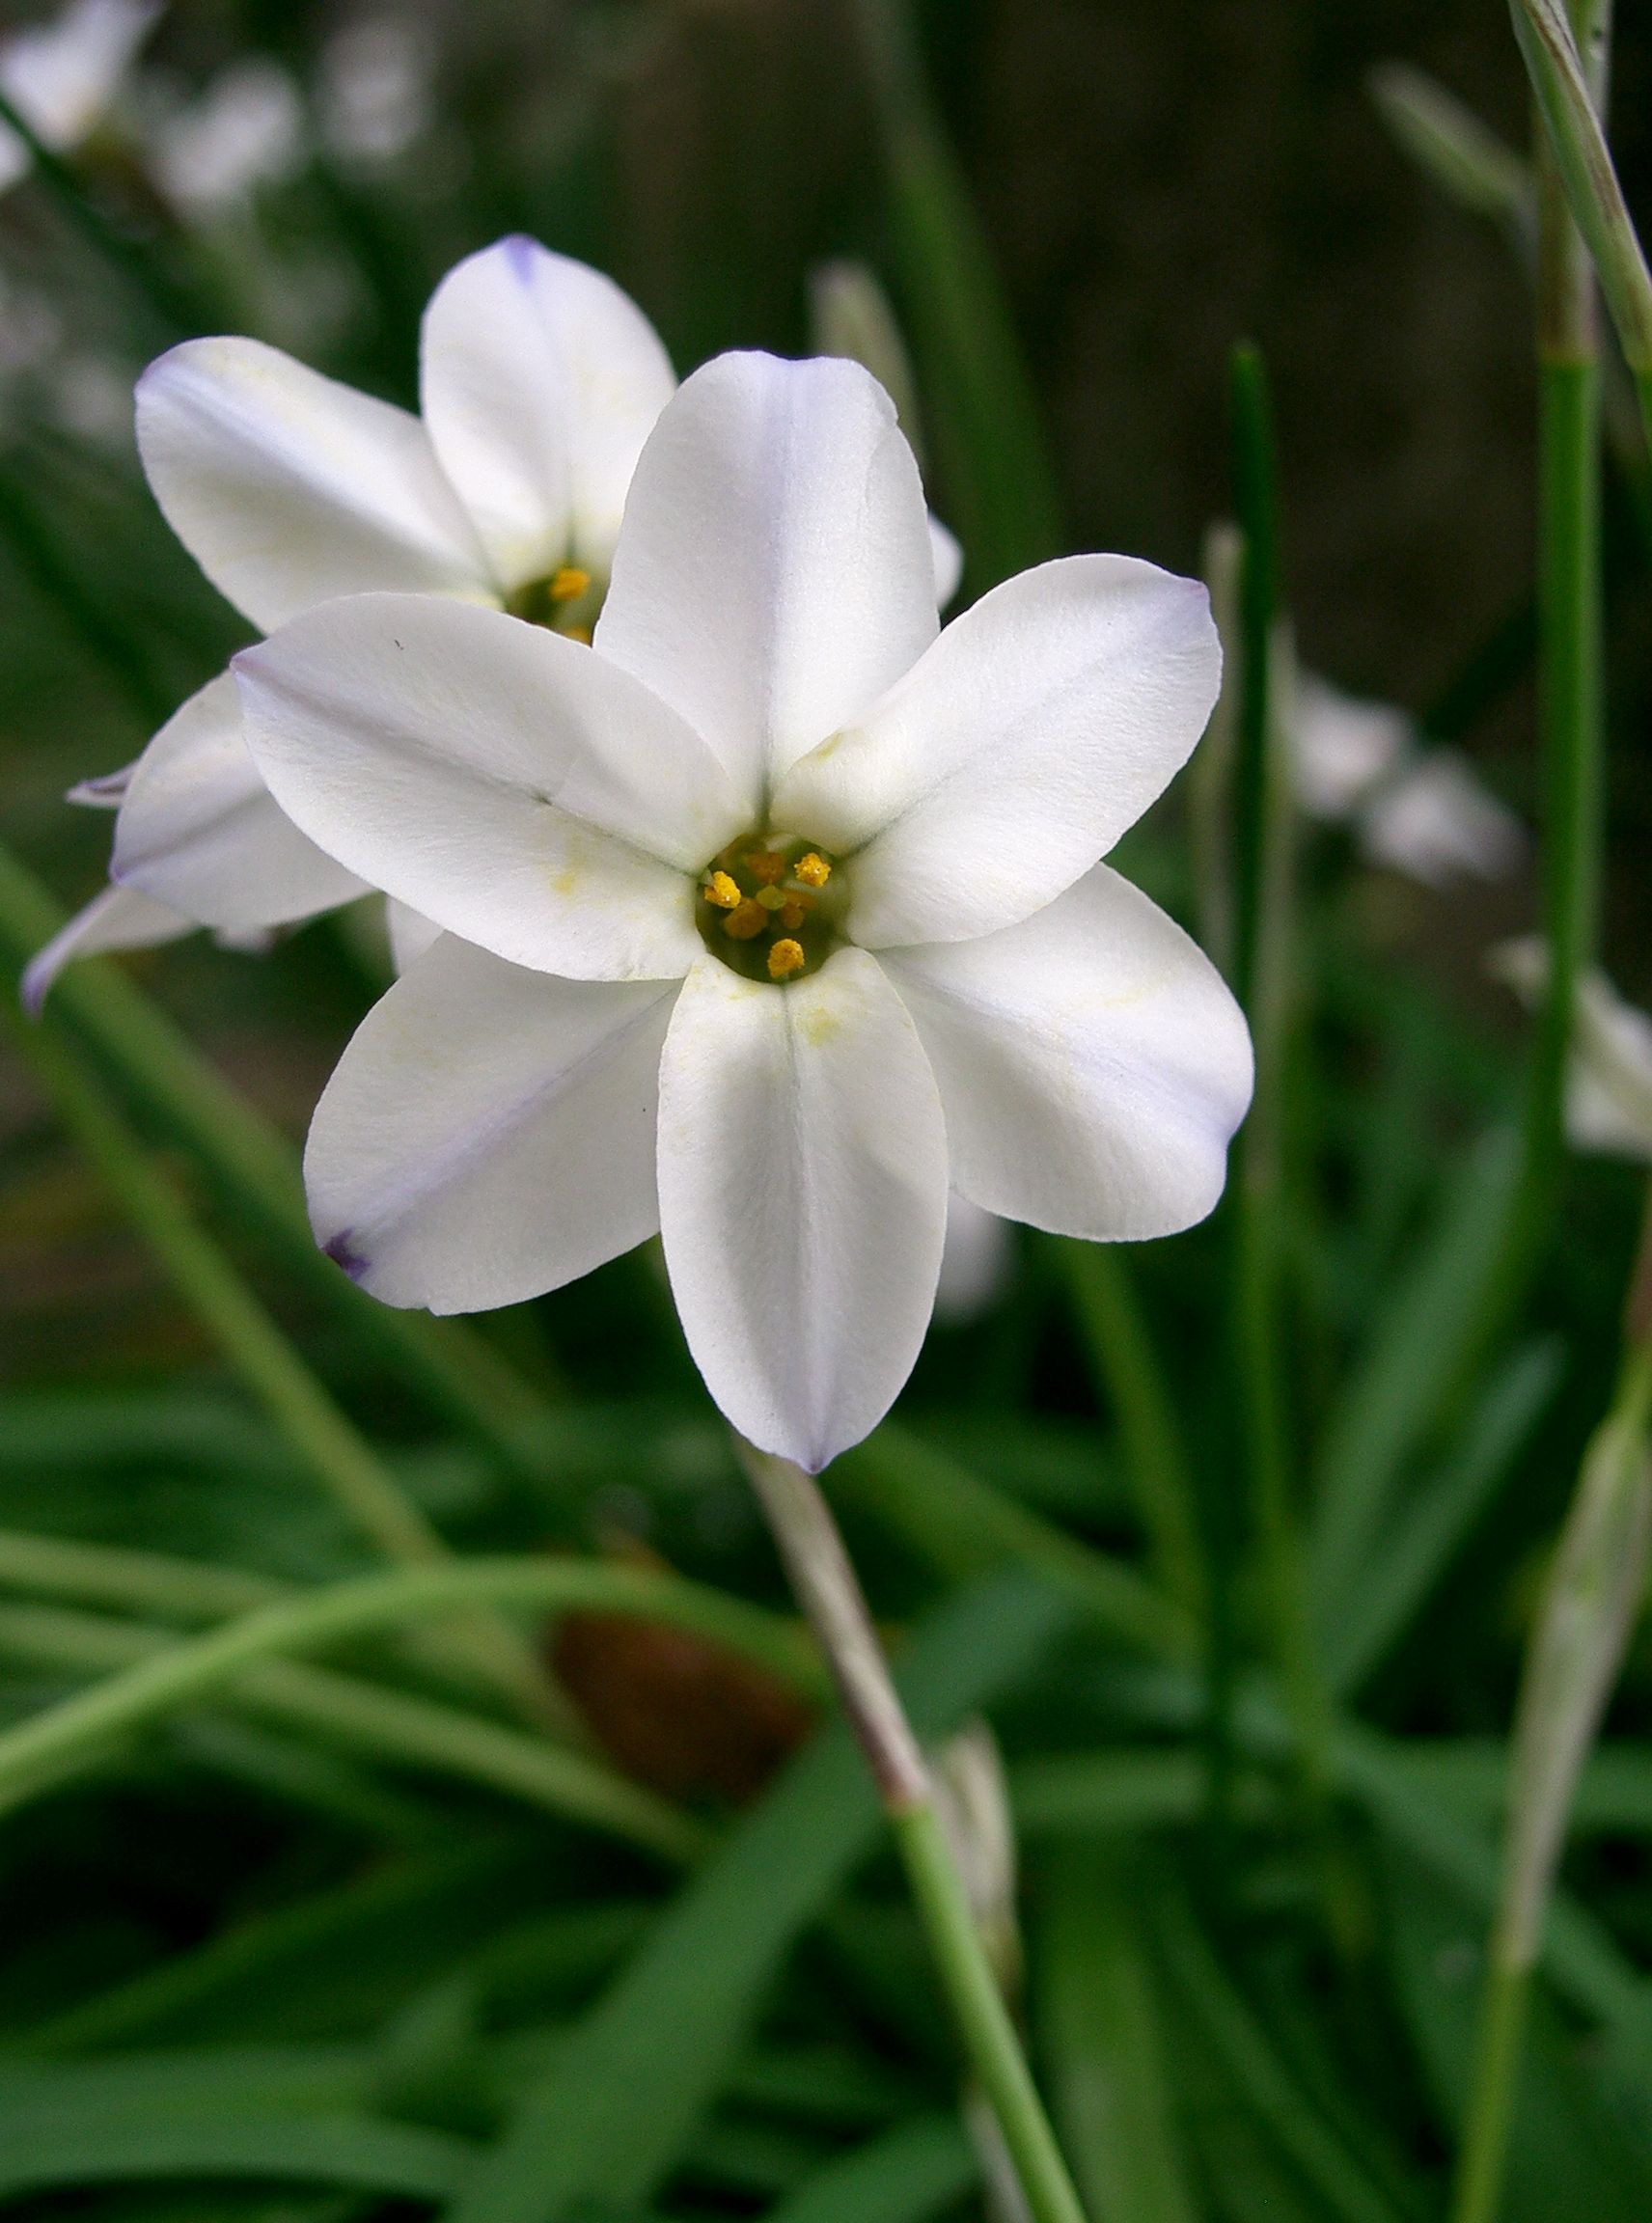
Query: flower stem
(826, 1585)
(1491, 2097)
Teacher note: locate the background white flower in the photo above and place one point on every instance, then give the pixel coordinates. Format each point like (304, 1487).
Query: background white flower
(539, 382)
(1609, 1078)
(245, 128)
(63, 76)
(800, 904)
(1422, 813)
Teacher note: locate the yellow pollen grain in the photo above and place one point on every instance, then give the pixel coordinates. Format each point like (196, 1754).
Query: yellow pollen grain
(722, 890)
(812, 871)
(748, 922)
(784, 959)
(568, 584)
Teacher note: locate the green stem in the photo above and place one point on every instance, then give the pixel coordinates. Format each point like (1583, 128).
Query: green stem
(383, 1724)
(70, 1735)
(829, 1591)
(256, 1169)
(983, 2018)
(1127, 1374)
(336, 1454)
(1491, 2097)
(1264, 965)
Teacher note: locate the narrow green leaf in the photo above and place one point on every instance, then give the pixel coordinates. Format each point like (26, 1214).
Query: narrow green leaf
(1099, 2029)
(1411, 1558)
(1393, 1397)
(671, 2024)
(905, 2176)
(57, 2149)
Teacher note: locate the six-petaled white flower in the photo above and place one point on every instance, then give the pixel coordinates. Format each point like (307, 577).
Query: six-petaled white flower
(767, 919)
(539, 381)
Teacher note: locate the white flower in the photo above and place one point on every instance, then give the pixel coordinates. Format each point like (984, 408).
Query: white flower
(1609, 1078)
(62, 76)
(1420, 812)
(243, 131)
(800, 906)
(373, 89)
(539, 381)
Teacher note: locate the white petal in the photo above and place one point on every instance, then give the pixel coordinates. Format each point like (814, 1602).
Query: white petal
(1091, 1061)
(287, 488)
(489, 1133)
(118, 918)
(409, 934)
(541, 380)
(62, 76)
(775, 573)
(199, 831)
(503, 781)
(802, 1197)
(949, 560)
(1041, 725)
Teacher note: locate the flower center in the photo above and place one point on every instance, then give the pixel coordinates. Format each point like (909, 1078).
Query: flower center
(567, 601)
(769, 907)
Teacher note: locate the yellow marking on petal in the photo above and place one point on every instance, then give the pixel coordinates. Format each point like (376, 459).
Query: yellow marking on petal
(568, 584)
(784, 959)
(723, 889)
(812, 871)
(748, 922)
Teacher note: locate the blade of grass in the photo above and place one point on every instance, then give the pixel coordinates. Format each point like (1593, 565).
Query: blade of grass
(1126, 1374)
(383, 1725)
(978, 398)
(256, 1169)
(915, 2171)
(66, 2148)
(670, 2025)
(1410, 1559)
(69, 1737)
(171, 307)
(337, 1455)
(1270, 2092)
(1100, 2032)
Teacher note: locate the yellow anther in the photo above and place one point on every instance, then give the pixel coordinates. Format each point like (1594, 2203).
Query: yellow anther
(580, 633)
(771, 898)
(793, 912)
(568, 584)
(812, 871)
(722, 890)
(766, 866)
(748, 922)
(784, 959)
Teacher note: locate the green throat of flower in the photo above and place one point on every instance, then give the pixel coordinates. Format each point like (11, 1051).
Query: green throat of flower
(567, 601)
(770, 907)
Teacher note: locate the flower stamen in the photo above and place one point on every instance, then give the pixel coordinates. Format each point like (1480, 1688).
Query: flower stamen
(763, 907)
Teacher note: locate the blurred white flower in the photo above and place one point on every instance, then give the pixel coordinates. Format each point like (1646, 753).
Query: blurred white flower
(243, 131)
(541, 381)
(768, 919)
(92, 395)
(1609, 1080)
(63, 76)
(1436, 823)
(975, 1263)
(373, 90)
(1418, 812)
